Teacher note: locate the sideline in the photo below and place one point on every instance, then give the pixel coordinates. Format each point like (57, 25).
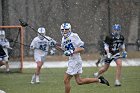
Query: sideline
(63, 64)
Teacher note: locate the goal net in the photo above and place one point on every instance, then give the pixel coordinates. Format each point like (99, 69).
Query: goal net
(14, 34)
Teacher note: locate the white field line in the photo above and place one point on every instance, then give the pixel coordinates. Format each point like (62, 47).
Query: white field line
(62, 64)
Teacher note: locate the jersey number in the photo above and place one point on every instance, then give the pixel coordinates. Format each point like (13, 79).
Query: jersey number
(116, 46)
(43, 47)
(69, 46)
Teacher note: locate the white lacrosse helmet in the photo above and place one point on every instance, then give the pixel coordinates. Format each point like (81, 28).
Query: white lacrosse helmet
(41, 32)
(65, 29)
(2, 34)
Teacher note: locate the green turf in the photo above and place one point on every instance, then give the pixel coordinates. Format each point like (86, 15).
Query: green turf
(52, 81)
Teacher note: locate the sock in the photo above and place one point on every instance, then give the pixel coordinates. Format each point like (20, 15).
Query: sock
(96, 74)
(99, 80)
(7, 69)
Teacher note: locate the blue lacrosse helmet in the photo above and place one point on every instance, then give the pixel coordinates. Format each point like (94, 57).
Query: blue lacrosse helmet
(65, 29)
(116, 27)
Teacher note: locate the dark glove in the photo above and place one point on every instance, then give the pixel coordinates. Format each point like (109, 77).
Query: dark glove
(68, 52)
(52, 43)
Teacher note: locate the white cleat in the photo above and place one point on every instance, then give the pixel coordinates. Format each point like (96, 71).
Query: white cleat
(37, 80)
(117, 83)
(32, 82)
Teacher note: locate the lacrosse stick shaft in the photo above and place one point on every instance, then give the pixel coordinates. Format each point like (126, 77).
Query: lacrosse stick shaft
(24, 24)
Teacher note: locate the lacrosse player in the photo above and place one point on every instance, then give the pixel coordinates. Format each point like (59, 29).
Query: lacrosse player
(114, 47)
(4, 46)
(72, 46)
(40, 45)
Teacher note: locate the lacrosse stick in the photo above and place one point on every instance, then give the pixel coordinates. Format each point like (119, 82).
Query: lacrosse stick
(103, 58)
(25, 24)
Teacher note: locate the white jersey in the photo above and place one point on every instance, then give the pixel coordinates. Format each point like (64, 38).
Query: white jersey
(75, 61)
(40, 47)
(72, 42)
(5, 44)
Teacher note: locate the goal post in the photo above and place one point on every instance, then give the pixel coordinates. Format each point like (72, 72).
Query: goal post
(15, 36)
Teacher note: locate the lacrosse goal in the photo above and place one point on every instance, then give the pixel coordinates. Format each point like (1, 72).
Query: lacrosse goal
(14, 34)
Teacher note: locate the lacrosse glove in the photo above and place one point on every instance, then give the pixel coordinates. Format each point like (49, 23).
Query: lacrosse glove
(68, 52)
(124, 54)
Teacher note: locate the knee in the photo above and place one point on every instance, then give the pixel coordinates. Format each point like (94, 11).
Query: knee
(104, 69)
(119, 64)
(39, 67)
(66, 81)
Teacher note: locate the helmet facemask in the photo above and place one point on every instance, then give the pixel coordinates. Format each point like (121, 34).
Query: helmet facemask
(41, 33)
(2, 34)
(65, 29)
(117, 33)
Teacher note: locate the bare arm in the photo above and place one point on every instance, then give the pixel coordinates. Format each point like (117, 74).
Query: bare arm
(78, 50)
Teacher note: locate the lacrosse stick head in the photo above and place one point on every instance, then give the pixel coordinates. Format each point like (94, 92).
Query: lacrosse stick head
(23, 23)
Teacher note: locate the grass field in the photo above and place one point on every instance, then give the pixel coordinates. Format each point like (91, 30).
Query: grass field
(52, 81)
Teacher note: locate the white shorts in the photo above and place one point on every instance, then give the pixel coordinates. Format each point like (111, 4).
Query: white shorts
(5, 59)
(38, 58)
(74, 67)
(39, 55)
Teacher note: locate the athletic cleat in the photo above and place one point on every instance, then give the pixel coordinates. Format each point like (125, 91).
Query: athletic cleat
(32, 82)
(8, 72)
(103, 80)
(37, 80)
(117, 83)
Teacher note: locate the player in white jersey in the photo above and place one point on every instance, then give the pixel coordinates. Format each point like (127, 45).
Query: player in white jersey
(4, 44)
(72, 46)
(40, 45)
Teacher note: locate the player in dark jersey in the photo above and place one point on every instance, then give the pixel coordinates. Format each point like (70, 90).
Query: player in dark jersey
(114, 47)
(2, 55)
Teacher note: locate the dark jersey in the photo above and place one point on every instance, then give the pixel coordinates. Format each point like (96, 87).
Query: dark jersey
(114, 43)
(2, 52)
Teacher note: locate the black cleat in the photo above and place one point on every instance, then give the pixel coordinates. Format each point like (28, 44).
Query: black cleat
(117, 85)
(103, 80)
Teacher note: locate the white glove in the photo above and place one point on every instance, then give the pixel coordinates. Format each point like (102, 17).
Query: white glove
(109, 55)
